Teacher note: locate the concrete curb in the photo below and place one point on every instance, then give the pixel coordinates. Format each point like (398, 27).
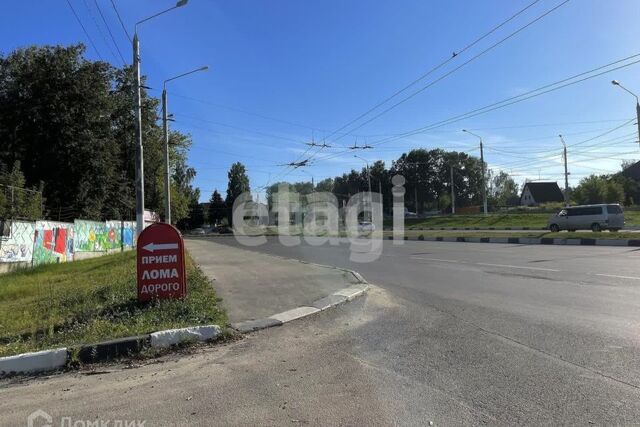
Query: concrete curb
(50, 360)
(112, 349)
(176, 336)
(336, 298)
(46, 360)
(526, 240)
(473, 228)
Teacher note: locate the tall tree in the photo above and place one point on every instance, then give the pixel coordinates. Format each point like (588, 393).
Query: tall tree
(598, 189)
(217, 208)
(505, 189)
(238, 184)
(17, 201)
(69, 121)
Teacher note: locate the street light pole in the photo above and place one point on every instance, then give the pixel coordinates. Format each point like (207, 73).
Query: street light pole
(617, 83)
(453, 194)
(138, 108)
(566, 173)
(368, 180)
(139, 147)
(484, 184)
(165, 127)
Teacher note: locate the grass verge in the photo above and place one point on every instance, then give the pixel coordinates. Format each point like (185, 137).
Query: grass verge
(534, 234)
(85, 302)
(531, 220)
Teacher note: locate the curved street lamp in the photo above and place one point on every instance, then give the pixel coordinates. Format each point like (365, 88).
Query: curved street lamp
(165, 126)
(484, 185)
(617, 83)
(138, 108)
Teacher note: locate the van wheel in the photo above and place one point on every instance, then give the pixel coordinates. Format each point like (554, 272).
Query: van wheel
(572, 230)
(595, 227)
(554, 228)
(615, 230)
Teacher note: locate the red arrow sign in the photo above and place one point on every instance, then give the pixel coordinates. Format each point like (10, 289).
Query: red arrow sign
(161, 269)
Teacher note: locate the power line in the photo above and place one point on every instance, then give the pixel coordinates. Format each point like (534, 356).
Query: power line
(460, 66)
(433, 69)
(551, 87)
(95, 22)
(85, 30)
(110, 33)
(124, 28)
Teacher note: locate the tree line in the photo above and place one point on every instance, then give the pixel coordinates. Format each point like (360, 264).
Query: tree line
(67, 130)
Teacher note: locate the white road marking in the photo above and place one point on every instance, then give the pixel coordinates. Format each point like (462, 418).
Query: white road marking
(618, 277)
(434, 259)
(517, 266)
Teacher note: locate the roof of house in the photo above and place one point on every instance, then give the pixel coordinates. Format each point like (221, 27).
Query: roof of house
(632, 171)
(544, 192)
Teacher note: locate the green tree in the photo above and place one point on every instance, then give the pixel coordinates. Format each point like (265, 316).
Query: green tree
(598, 189)
(17, 201)
(69, 121)
(505, 189)
(325, 185)
(217, 208)
(238, 184)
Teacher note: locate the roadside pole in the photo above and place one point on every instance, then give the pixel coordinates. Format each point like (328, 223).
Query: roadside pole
(167, 182)
(165, 128)
(617, 83)
(139, 148)
(138, 107)
(453, 194)
(638, 119)
(566, 173)
(484, 184)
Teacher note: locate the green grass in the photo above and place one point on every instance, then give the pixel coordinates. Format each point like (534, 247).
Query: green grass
(85, 302)
(534, 234)
(531, 220)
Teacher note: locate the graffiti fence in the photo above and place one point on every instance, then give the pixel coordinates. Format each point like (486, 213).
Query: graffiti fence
(44, 242)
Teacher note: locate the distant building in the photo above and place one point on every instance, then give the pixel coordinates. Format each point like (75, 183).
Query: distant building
(535, 193)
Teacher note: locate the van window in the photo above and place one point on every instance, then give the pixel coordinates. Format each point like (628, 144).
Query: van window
(594, 210)
(614, 209)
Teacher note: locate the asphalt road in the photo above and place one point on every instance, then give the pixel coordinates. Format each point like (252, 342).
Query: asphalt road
(453, 333)
(574, 308)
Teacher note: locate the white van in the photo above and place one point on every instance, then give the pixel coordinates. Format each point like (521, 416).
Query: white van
(593, 217)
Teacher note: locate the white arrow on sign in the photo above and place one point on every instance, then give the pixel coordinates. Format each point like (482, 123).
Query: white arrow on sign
(160, 246)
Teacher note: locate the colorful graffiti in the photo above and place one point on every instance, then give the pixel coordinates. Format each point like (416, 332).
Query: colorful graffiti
(122, 233)
(45, 242)
(93, 236)
(17, 246)
(53, 242)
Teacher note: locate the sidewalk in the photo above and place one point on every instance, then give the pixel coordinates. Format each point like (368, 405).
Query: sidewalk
(254, 285)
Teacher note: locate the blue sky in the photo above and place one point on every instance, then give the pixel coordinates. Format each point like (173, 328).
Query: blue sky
(285, 71)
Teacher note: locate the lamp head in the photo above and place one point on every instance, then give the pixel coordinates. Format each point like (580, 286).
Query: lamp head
(615, 82)
(181, 3)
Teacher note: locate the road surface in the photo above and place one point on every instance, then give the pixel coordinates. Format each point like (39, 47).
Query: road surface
(453, 333)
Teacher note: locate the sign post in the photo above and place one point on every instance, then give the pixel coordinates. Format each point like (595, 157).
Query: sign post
(161, 263)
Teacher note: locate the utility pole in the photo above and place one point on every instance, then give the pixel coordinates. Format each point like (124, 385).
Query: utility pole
(165, 125)
(138, 108)
(415, 197)
(617, 83)
(484, 184)
(139, 148)
(369, 182)
(453, 194)
(167, 180)
(566, 172)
